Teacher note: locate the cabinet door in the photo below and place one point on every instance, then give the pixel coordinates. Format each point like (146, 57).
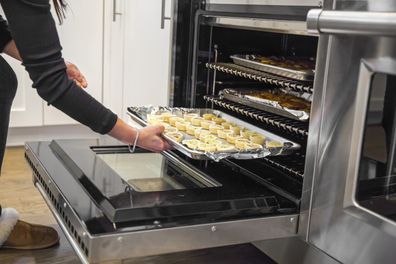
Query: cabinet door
(147, 53)
(81, 36)
(27, 108)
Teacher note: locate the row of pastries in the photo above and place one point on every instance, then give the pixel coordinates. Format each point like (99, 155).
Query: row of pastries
(211, 133)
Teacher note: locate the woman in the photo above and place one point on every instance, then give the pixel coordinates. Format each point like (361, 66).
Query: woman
(31, 37)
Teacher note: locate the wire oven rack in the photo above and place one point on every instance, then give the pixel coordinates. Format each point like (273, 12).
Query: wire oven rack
(288, 125)
(293, 164)
(247, 73)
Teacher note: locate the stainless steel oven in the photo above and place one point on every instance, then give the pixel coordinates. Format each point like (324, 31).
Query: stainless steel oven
(331, 201)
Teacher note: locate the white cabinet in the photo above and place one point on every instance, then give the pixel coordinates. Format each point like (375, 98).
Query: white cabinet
(81, 36)
(140, 53)
(27, 108)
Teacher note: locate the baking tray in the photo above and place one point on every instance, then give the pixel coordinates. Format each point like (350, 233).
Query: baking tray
(247, 61)
(139, 115)
(239, 96)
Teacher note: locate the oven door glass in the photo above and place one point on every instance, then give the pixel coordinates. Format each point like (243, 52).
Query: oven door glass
(376, 189)
(152, 172)
(146, 186)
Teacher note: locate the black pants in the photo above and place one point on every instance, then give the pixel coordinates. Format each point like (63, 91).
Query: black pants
(8, 86)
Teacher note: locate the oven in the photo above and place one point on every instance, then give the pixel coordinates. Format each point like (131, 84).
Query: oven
(330, 201)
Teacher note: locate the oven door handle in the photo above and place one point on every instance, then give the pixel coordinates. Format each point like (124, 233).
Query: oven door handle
(351, 22)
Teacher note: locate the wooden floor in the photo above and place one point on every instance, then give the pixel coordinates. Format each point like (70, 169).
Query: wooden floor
(16, 190)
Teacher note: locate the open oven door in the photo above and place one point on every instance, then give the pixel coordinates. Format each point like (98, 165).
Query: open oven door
(113, 204)
(353, 215)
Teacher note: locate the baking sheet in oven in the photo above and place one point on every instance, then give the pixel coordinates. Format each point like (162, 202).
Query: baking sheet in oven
(250, 62)
(139, 115)
(244, 97)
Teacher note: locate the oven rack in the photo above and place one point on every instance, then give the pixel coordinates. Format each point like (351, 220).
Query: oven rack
(283, 123)
(251, 74)
(293, 164)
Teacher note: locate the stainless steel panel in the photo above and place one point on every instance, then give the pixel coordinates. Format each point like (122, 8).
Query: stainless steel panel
(293, 251)
(267, 2)
(313, 140)
(280, 26)
(118, 246)
(351, 22)
(348, 236)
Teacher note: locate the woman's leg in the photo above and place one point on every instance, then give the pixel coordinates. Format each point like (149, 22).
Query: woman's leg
(13, 232)
(8, 86)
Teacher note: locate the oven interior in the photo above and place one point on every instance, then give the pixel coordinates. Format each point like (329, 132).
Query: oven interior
(214, 70)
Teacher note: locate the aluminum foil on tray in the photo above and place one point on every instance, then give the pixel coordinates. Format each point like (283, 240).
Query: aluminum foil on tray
(301, 69)
(211, 134)
(278, 101)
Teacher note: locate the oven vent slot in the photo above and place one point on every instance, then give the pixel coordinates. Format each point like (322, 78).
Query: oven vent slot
(247, 73)
(291, 126)
(54, 200)
(292, 165)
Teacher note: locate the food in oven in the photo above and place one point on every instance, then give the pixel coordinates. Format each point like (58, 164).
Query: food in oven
(301, 69)
(284, 62)
(283, 99)
(282, 102)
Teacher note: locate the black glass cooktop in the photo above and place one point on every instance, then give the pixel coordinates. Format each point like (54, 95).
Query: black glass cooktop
(146, 186)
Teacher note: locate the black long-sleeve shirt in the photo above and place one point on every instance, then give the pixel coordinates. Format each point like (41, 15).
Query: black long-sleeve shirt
(33, 28)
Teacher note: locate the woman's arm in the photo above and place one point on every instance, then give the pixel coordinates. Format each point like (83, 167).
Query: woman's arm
(11, 50)
(72, 71)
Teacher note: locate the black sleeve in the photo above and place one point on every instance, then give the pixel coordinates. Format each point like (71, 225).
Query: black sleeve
(5, 35)
(34, 31)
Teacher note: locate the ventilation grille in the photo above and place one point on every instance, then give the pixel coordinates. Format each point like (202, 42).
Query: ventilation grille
(59, 208)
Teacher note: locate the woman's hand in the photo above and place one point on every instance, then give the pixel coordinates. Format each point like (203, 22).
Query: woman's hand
(150, 138)
(74, 74)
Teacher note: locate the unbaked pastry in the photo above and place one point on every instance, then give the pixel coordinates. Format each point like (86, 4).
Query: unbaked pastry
(273, 144)
(191, 129)
(176, 136)
(218, 120)
(257, 138)
(196, 121)
(189, 116)
(240, 143)
(173, 119)
(191, 143)
(200, 131)
(182, 125)
(223, 133)
(208, 116)
(214, 128)
(205, 124)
